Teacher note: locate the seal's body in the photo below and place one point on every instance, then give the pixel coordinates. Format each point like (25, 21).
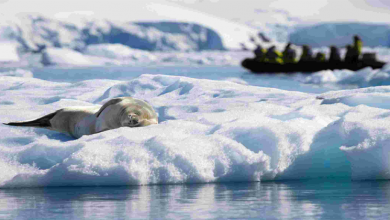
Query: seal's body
(79, 121)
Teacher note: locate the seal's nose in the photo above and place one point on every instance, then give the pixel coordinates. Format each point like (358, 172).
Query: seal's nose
(133, 120)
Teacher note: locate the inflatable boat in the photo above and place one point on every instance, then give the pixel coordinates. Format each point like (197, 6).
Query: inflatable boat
(256, 66)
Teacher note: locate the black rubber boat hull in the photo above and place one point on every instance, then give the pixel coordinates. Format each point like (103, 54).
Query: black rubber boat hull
(260, 67)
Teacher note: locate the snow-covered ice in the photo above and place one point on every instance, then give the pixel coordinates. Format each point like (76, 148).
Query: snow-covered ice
(213, 128)
(118, 51)
(8, 52)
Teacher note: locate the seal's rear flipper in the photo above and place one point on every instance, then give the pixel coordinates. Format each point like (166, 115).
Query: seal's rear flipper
(43, 122)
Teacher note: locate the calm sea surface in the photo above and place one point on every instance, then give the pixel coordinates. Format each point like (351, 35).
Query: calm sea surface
(270, 200)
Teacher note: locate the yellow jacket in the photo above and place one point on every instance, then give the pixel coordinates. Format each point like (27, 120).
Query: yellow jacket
(273, 56)
(357, 45)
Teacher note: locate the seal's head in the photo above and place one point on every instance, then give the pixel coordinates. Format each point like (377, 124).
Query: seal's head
(125, 112)
(137, 114)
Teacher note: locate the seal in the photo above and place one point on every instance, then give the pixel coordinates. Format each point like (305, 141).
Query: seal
(79, 121)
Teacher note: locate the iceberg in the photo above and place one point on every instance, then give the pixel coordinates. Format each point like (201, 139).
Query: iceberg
(34, 31)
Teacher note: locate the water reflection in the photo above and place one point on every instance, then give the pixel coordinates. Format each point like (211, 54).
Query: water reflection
(288, 200)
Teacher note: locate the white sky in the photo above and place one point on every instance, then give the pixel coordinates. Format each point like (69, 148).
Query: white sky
(307, 10)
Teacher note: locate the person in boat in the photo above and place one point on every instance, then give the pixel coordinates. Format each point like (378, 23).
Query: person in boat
(320, 57)
(289, 54)
(307, 54)
(350, 54)
(260, 53)
(273, 56)
(357, 47)
(334, 56)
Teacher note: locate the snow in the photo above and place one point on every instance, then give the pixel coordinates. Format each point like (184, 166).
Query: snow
(118, 51)
(8, 52)
(362, 78)
(64, 56)
(216, 125)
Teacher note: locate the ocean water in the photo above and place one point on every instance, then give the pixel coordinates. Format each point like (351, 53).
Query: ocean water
(265, 200)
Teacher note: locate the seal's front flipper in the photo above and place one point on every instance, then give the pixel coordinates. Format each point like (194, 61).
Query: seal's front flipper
(43, 122)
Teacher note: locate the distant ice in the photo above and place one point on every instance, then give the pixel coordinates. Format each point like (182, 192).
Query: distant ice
(33, 31)
(120, 55)
(341, 33)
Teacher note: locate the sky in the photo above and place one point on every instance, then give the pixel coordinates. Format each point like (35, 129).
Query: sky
(305, 10)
